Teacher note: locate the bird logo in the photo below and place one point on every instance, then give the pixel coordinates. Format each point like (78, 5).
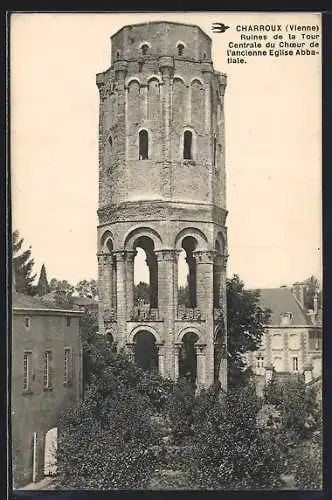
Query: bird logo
(219, 27)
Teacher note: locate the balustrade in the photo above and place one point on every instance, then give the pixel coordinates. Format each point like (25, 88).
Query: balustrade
(144, 313)
(189, 314)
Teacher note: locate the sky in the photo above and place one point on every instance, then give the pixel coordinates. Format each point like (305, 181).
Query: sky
(273, 145)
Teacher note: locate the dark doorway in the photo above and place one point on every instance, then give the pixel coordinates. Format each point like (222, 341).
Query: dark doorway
(188, 358)
(146, 351)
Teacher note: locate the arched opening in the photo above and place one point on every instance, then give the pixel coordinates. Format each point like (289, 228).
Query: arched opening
(145, 274)
(217, 272)
(187, 274)
(143, 145)
(187, 145)
(117, 54)
(214, 150)
(144, 49)
(188, 357)
(110, 141)
(50, 451)
(146, 351)
(180, 49)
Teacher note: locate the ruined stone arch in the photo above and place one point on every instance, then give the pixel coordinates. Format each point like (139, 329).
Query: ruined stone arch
(197, 234)
(221, 243)
(189, 329)
(106, 241)
(133, 79)
(143, 328)
(135, 233)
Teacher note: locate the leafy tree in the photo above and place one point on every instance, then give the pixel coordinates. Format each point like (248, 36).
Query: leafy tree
(183, 296)
(230, 451)
(87, 288)
(42, 286)
(142, 291)
(22, 266)
(246, 322)
(312, 286)
(63, 293)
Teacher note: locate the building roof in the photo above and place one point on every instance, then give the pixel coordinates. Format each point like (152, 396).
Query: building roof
(22, 301)
(162, 22)
(281, 301)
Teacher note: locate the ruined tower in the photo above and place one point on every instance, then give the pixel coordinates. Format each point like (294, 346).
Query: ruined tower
(162, 189)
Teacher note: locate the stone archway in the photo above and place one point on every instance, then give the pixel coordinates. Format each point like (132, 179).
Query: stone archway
(50, 450)
(188, 357)
(146, 350)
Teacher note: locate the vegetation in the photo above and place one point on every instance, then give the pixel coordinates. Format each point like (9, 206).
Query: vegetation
(22, 266)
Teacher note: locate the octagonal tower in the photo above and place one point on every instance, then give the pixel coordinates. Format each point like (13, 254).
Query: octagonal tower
(162, 188)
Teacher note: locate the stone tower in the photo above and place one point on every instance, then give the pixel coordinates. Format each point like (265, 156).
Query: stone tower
(162, 188)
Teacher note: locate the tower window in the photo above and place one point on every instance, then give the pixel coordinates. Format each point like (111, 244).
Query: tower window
(143, 145)
(214, 150)
(187, 145)
(110, 141)
(117, 54)
(204, 55)
(144, 49)
(180, 49)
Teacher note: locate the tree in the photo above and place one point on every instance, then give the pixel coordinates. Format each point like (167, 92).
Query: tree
(22, 266)
(63, 293)
(142, 291)
(312, 287)
(246, 322)
(87, 288)
(42, 286)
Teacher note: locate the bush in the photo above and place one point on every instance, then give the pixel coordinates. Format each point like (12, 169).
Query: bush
(308, 464)
(180, 409)
(229, 450)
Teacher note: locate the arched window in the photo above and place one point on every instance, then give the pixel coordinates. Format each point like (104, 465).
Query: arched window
(110, 141)
(144, 49)
(187, 145)
(117, 54)
(214, 150)
(180, 49)
(143, 145)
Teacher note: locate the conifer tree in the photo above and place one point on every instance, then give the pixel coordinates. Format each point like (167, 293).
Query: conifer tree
(22, 266)
(42, 286)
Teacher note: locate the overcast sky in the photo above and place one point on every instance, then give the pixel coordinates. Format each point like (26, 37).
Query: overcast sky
(273, 145)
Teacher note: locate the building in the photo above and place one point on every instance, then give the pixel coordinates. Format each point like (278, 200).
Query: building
(46, 378)
(293, 339)
(162, 189)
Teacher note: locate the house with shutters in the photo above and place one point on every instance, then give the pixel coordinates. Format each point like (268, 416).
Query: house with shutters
(46, 377)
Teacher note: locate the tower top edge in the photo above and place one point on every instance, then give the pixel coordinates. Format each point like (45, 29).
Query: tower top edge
(151, 23)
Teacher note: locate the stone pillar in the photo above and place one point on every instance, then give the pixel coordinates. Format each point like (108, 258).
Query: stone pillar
(201, 366)
(268, 373)
(121, 296)
(161, 359)
(166, 65)
(130, 258)
(167, 308)
(152, 263)
(100, 257)
(177, 351)
(204, 274)
(307, 370)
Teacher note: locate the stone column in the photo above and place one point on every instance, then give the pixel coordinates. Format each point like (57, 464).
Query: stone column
(130, 258)
(177, 351)
(223, 307)
(166, 65)
(167, 309)
(161, 359)
(121, 296)
(204, 273)
(201, 366)
(100, 257)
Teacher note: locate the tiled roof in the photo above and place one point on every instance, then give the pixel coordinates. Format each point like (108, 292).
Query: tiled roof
(280, 301)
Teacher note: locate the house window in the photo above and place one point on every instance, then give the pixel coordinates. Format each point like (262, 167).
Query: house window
(180, 49)
(286, 318)
(27, 371)
(260, 362)
(277, 341)
(144, 49)
(187, 145)
(143, 145)
(67, 366)
(295, 364)
(47, 370)
(27, 322)
(68, 320)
